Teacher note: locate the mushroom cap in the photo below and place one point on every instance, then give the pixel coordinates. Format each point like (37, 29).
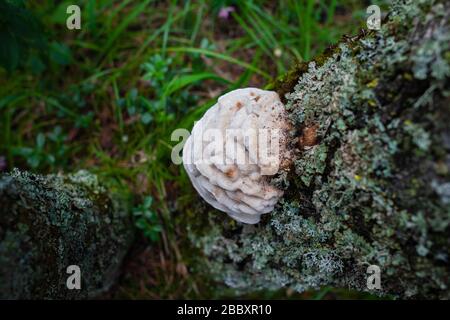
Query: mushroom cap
(232, 150)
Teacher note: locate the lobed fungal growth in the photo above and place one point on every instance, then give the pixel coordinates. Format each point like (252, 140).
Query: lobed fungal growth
(238, 143)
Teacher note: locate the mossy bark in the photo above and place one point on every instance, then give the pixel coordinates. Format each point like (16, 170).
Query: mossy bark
(370, 183)
(48, 223)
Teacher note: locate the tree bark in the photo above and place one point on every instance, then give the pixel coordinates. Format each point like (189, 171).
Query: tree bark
(370, 181)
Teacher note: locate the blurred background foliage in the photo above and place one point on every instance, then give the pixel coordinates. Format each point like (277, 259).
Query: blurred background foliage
(107, 98)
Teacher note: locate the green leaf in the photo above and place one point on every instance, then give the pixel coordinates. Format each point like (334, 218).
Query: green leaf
(59, 15)
(220, 56)
(7, 100)
(40, 141)
(148, 202)
(141, 224)
(36, 64)
(146, 118)
(124, 24)
(9, 51)
(182, 81)
(51, 159)
(60, 53)
(22, 151)
(34, 160)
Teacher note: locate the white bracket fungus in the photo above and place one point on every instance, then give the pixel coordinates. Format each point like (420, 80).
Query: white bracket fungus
(232, 150)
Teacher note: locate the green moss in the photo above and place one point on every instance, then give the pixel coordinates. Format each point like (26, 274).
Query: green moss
(285, 83)
(50, 222)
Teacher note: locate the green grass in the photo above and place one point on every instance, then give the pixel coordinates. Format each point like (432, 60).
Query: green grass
(116, 89)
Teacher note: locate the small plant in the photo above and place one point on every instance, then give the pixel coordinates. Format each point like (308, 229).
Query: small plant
(156, 70)
(75, 100)
(147, 220)
(49, 150)
(136, 104)
(167, 79)
(166, 96)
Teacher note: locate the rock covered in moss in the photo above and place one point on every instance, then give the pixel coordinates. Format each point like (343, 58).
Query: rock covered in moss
(48, 223)
(370, 182)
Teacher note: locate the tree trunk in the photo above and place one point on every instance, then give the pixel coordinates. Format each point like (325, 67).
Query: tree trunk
(370, 182)
(48, 223)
